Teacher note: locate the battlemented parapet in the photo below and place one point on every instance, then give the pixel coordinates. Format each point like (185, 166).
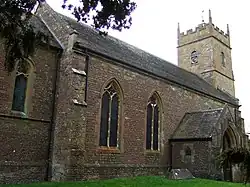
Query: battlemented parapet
(202, 31)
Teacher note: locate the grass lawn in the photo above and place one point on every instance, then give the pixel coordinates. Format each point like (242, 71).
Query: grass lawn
(136, 182)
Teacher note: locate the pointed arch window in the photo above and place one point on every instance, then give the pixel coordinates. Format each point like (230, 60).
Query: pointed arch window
(20, 88)
(109, 127)
(153, 124)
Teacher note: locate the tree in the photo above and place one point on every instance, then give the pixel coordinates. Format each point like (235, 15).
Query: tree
(237, 156)
(20, 38)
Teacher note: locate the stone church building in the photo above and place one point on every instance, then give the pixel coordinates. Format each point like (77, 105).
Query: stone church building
(89, 106)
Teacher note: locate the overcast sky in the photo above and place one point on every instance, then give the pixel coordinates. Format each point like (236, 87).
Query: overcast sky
(154, 30)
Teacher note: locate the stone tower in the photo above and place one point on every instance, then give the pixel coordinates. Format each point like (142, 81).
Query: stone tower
(206, 51)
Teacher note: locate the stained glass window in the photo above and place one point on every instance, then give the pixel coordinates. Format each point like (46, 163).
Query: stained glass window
(152, 127)
(109, 117)
(19, 96)
(149, 127)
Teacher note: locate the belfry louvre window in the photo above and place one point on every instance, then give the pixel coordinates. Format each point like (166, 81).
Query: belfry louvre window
(223, 59)
(109, 127)
(153, 124)
(19, 96)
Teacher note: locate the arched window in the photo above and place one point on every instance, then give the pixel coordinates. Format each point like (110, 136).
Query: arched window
(109, 127)
(20, 89)
(153, 123)
(223, 59)
(194, 57)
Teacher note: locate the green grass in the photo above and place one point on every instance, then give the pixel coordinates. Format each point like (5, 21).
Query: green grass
(135, 182)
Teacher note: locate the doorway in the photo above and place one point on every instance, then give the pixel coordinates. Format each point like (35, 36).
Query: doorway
(228, 142)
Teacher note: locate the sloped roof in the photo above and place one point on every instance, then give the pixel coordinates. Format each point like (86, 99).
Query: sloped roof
(38, 24)
(197, 124)
(137, 58)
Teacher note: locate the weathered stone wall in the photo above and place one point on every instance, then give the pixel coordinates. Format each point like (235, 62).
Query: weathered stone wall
(200, 162)
(24, 150)
(44, 62)
(25, 141)
(205, 56)
(70, 117)
(76, 140)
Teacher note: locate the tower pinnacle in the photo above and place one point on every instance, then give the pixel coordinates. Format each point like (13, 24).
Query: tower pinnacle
(210, 17)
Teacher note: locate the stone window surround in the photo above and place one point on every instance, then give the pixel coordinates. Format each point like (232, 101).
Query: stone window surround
(159, 104)
(118, 148)
(29, 89)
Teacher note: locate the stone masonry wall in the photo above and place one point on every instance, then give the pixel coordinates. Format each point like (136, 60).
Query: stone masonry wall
(205, 56)
(199, 164)
(25, 141)
(75, 158)
(24, 150)
(209, 51)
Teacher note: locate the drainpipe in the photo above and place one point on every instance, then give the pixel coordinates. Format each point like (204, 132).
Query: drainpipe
(170, 155)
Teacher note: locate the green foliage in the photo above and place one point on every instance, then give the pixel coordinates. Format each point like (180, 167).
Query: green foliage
(20, 37)
(145, 181)
(237, 156)
(105, 14)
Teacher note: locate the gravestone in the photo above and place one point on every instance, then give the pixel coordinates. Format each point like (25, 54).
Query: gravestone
(181, 174)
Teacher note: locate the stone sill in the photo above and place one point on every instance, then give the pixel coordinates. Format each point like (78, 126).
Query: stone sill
(18, 114)
(152, 151)
(107, 150)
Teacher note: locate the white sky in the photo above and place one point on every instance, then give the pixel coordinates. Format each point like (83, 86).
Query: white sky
(154, 30)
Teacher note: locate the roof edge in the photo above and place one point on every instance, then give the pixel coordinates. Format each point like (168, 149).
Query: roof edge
(208, 110)
(78, 44)
(51, 32)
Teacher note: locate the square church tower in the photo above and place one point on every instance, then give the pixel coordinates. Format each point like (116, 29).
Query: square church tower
(206, 51)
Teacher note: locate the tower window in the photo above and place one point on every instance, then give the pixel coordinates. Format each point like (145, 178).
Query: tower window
(194, 57)
(223, 59)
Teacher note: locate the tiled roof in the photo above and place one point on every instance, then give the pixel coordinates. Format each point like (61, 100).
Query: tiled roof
(38, 24)
(197, 124)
